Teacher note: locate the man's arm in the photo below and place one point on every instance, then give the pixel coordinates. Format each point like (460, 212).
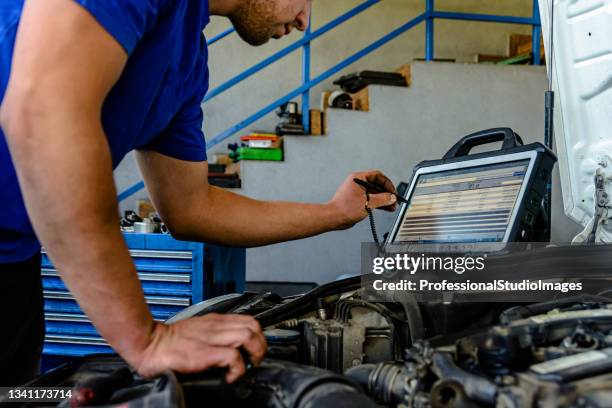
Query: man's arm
(194, 210)
(64, 65)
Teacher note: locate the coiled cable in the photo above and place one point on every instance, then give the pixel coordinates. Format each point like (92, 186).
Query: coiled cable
(379, 246)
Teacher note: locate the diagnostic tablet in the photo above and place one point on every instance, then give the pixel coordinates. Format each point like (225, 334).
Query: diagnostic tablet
(486, 197)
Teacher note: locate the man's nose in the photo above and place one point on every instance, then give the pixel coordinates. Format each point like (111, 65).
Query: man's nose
(302, 20)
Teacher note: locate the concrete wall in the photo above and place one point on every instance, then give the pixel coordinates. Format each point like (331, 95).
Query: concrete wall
(454, 39)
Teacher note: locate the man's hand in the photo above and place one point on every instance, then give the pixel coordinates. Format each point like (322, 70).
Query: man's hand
(350, 199)
(199, 343)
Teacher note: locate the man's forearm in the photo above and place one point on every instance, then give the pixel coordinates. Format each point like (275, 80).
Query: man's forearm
(230, 219)
(70, 197)
(194, 210)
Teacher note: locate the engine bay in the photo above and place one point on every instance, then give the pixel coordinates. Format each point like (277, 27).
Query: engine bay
(331, 348)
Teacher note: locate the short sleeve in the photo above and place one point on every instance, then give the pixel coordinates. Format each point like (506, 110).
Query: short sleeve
(183, 139)
(126, 20)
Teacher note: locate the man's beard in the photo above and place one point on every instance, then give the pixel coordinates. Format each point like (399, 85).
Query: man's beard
(254, 21)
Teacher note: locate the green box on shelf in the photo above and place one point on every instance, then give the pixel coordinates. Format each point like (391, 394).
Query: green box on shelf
(249, 153)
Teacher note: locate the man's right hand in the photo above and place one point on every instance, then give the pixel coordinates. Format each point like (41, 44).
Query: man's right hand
(199, 343)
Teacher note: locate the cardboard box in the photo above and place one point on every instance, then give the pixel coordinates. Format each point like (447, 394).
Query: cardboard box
(316, 125)
(145, 208)
(406, 71)
(361, 100)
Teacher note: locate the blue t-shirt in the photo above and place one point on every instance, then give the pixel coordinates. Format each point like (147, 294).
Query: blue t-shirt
(155, 105)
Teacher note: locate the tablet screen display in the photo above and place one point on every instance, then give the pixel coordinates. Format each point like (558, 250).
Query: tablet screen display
(465, 205)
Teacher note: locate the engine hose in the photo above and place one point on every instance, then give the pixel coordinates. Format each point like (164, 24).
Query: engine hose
(386, 382)
(278, 384)
(382, 310)
(413, 316)
(476, 388)
(307, 302)
(335, 395)
(524, 312)
(361, 374)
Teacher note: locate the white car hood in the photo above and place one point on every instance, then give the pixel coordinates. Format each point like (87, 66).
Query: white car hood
(582, 81)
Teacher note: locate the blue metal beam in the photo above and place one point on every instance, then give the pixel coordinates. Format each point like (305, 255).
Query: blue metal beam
(429, 31)
(289, 49)
(305, 79)
(315, 81)
(131, 191)
(536, 33)
(220, 36)
(447, 15)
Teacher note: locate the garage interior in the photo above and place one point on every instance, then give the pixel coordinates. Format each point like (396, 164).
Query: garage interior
(421, 121)
(289, 121)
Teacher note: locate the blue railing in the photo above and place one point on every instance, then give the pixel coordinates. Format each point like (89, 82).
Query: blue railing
(429, 16)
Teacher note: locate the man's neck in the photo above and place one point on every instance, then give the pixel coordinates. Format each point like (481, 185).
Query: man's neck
(222, 7)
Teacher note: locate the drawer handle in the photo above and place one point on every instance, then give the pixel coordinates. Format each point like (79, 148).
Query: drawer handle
(92, 341)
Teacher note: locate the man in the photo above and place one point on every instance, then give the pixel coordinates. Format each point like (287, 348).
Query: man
(82, 83)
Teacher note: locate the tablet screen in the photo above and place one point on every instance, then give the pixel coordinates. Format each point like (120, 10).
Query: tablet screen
(465, 205)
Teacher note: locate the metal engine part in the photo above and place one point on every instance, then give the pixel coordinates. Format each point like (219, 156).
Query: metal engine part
(331, 348)
(559, 358)
(354, 336)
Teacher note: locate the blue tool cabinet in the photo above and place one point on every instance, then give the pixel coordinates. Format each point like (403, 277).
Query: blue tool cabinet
(174, 275)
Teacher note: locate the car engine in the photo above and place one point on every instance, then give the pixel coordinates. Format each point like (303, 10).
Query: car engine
(331, 348)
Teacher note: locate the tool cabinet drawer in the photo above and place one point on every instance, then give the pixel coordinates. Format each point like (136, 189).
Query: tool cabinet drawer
(173, 274)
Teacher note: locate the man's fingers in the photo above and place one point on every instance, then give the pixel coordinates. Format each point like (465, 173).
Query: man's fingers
(254, 343)
(200, 343)
(377, 177)
(230, 331)
(236, 366)
(387, 202)
(380, 179)
(382, 200)
(232, 320)
(225, 357)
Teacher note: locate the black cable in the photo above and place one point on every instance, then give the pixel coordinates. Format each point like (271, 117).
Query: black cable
(524, 312)
(379, 246)
(604, 292)
(373, 226)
